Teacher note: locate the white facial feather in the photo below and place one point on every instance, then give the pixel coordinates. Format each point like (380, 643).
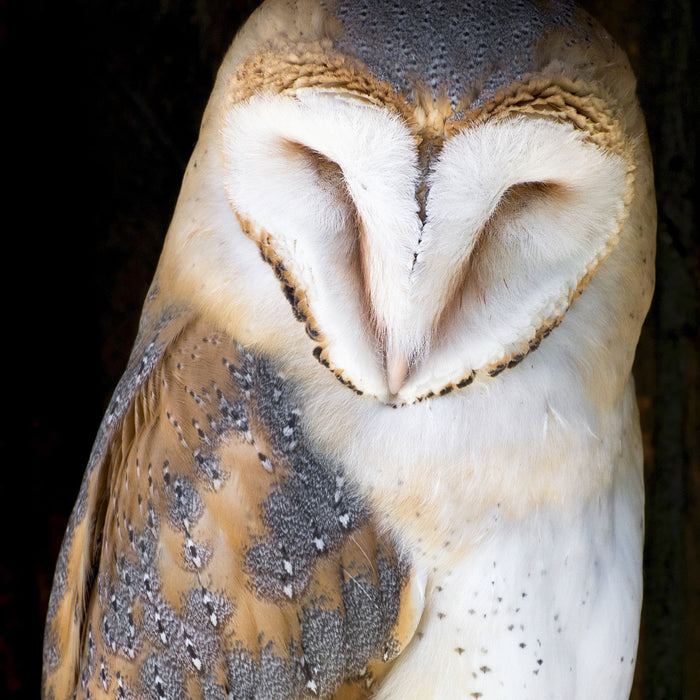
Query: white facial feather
(519, 211)
(517, 264)
(317, 226)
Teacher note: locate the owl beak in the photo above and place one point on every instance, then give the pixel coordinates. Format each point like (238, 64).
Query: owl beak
(396, 371)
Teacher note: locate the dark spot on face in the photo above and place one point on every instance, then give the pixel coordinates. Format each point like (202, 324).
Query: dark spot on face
(466, 381)
(290, 294)
(497, 369)
(446, 390)
(516, 359)
(343, 380)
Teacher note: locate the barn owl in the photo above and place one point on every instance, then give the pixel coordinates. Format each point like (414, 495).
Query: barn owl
(378, 435)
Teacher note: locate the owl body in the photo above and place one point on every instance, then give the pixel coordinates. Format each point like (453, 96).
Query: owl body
(378, 434)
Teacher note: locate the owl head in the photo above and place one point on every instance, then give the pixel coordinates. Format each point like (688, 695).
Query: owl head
(413, 197)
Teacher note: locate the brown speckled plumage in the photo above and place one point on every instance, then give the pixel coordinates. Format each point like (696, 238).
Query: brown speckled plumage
(217, 553)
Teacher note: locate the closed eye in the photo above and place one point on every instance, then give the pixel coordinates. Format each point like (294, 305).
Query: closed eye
(352, 249)
(524, 194)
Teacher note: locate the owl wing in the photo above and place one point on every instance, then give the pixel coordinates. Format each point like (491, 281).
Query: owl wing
(211, 551)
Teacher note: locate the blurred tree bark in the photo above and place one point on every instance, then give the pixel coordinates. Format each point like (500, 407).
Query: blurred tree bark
(671, 643)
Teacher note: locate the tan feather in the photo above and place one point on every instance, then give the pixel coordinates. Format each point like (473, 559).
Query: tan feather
(196, 583)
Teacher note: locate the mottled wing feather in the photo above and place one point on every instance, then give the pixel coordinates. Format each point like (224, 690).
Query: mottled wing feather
(79, 555)
(230, 558)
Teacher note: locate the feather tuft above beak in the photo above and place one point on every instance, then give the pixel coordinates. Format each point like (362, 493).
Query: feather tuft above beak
(396, 371)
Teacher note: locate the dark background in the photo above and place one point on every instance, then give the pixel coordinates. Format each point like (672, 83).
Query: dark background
(100, 104)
